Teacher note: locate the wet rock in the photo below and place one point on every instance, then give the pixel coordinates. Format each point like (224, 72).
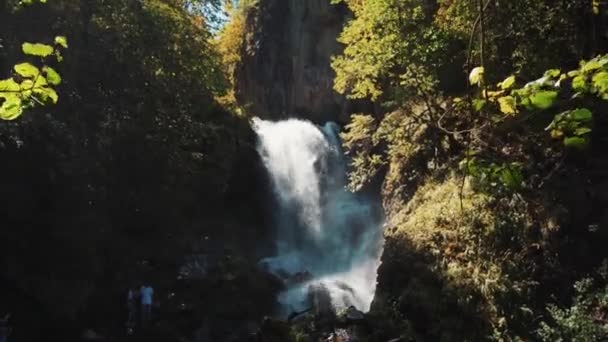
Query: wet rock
(354, 315)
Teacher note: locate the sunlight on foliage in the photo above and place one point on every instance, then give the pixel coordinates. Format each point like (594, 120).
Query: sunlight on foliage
(476, 76)
(583, 320)
(31, 85)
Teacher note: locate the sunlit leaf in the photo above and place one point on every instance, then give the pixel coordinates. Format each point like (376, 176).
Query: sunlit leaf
(573, 73)
(581, 114)
(600, 82)
(582, 131)
(507, 83)
(11, 108)
(543, 99)
(52, 75)
(496, 93)
(26, 70)
(26, 85)
(579, 83)
(576, 142)
(591, 65)
(36, 49)
(552, 73)
(47, 94)
(476, 76)
(61, 41)
(507, 104)
(9, 85)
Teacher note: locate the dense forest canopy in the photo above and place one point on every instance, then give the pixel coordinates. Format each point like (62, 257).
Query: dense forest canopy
(130, 150)
(480, 126)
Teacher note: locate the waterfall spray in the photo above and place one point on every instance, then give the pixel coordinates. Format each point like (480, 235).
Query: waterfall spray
(326, 235)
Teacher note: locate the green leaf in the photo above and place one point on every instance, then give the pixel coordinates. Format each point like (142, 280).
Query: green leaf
(543, 99)
(576, 142)
(62, 41)
(9, 85)
(476, 76)
(52, 76)
(478, 104)
(507, 83)
(26, 70)
(507, 104)
(581, 114)
(11, 108)
(37, 49)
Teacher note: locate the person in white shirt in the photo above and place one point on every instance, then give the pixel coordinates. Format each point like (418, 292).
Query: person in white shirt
(146, 293)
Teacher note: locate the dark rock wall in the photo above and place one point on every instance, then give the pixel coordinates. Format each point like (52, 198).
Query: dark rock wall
(285, 70)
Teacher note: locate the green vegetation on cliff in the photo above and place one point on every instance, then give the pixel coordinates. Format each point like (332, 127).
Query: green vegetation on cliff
(487, 144)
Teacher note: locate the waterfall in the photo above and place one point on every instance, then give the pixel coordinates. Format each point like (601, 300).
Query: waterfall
(326, 235)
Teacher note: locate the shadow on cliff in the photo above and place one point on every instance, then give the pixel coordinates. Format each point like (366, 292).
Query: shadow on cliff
(415, 302)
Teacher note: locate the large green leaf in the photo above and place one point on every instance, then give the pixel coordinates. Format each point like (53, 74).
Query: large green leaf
(11, 108)
(37, 49)
(543, 99)
(26, 70)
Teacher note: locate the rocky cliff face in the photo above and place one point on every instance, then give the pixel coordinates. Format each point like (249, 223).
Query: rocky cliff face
(285, 69)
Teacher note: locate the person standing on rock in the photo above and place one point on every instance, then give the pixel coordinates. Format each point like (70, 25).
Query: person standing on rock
(146, 293)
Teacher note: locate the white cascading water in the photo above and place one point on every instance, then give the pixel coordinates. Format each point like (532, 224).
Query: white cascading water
(324, 231)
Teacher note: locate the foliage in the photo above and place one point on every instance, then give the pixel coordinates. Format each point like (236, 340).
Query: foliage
(555, 88)
(584, 320)
(492, 175)
(384, 38)
(35, 86)
(31, 85)
(136, 149)
(358, 141)
(495, 237)
(229, 43)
